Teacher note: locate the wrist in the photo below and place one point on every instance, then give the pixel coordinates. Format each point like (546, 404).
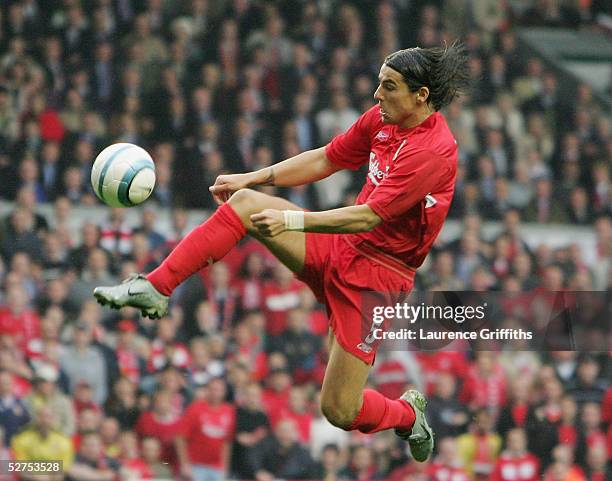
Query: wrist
(264, 176)
(294, 220)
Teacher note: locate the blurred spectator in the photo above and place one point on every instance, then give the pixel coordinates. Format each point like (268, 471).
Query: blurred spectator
(297, 344)
(544, 209)
(82, 361)
(20, 236)
(361, 465)
(515, 461)
(209, 422)
(514, 413)
(485, 384)
(161, 423)
(447, 465)
(46, 393)
(122, 402)
(480, 446)
(282, 456)
(330, 463)
(151, 455)
(588, 387)
(542, 421)
(449, 416)
(13, 412)
(96, 271)
(280, 295)
(252, 426)
(90, 461)
(17, 318)
(41, 442)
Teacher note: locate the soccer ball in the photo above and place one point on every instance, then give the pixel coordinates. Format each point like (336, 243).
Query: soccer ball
(123, 175)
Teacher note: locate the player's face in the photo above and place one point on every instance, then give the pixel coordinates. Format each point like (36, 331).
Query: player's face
(398, 105)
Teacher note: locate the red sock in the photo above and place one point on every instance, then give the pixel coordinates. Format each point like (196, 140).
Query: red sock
(204, 245)
(379, 413)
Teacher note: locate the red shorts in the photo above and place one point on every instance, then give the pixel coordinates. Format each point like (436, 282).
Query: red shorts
(350, 279)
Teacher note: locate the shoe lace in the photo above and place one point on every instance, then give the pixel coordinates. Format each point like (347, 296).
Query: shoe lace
(130, 278)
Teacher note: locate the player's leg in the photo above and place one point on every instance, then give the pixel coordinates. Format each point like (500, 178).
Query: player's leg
(203, 246)
(347, 405)
(288, 247)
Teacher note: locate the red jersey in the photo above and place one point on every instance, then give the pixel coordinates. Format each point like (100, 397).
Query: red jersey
(391, 378)
(164, 430)
(275, 402)
(206, 429)
(512, 468)
(277, 302)
(484, 392)
(302, 422)
(432, 364)
(23, 326)
(410, 182)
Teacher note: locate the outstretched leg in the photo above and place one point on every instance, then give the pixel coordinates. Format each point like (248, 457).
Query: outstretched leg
(216, 237)
(203, 246)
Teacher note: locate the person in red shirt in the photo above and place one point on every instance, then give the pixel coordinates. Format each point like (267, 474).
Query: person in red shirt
(276, 395)
(375, 245)
(297, 410)
(447, 465)
(162, 423)
(485, 384)
(17, 318)
(516, 463)
(206, 434)
(130, 458)
(279, 296)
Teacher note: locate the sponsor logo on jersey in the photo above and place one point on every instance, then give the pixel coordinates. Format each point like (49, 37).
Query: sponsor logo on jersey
(375, 174)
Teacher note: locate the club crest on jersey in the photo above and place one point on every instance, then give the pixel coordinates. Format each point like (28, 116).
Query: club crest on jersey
(375, 174)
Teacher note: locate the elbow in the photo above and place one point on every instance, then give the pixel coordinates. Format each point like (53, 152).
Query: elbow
(368, 224)
(372, 221)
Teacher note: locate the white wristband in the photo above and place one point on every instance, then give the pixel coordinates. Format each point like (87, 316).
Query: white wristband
(294, 220)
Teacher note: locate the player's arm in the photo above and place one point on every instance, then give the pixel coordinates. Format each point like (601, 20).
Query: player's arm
(345, 220)
(303, 168)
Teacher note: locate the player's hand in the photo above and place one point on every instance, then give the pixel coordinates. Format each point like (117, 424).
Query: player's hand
(226, 185)
(269, 222)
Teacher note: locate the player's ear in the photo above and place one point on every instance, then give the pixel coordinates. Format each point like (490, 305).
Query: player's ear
(422, 95)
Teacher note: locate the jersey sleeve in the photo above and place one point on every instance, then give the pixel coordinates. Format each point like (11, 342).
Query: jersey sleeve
(414, 175)
(351, 149)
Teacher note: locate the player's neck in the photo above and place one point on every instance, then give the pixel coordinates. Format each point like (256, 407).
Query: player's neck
(416, 119)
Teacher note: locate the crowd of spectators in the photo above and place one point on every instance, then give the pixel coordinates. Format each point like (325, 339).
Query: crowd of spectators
(227, 384)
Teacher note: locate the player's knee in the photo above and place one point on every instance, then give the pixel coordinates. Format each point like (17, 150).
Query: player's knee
(244, 197)
(341, 416)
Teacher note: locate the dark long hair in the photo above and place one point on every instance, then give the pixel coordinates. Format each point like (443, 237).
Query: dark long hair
(443, 70)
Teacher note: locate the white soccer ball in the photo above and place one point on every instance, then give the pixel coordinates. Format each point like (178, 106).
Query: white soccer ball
(123, 175)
